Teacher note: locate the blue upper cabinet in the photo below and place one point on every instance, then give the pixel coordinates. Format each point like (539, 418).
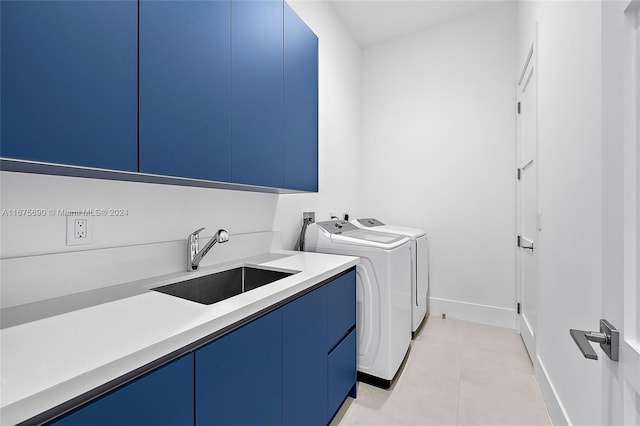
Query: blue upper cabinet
(216, 90)
(185, 88)
(300, 104)
(69, 82)
(257, 92)
(161, 397)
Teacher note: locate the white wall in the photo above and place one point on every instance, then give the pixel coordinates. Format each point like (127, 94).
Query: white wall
(155, 213)
(570, 199)
(339, 124)
(36, 263)
(167, 214)
(439, 154)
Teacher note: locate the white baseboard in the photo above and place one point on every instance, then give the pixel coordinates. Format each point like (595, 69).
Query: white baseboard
(556, 410)
(493, 315)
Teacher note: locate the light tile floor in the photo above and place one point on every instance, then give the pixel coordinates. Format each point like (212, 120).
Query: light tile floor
(457, 373)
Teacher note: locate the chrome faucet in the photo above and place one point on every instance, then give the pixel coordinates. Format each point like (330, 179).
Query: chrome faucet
(194, 254)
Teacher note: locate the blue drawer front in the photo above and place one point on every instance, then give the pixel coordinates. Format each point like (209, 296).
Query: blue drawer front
(162, 397)
(300, 104)
(69, 82)
(341, 307)
(239, 376)
(185, 88)
(304, 359)
(341, 373)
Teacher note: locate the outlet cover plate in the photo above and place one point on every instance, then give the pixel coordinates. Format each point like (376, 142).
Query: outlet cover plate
(74, 228)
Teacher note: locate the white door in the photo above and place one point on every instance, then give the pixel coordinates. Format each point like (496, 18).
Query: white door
(622, 380)
(621, 208)
(527, 201)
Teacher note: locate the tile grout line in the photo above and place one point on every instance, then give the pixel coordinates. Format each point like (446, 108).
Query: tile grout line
(464, 326)
(471, 338)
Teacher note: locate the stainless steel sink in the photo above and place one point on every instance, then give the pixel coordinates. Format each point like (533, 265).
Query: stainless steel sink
(216, 287)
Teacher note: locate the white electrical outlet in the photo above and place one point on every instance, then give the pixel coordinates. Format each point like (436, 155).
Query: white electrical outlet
(79, 230)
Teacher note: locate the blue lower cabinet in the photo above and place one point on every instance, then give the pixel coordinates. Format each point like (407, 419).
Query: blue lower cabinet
(274, 370)
(161, 397)
(341, 373)
(304, 360)
(341, 307)
(239, 376)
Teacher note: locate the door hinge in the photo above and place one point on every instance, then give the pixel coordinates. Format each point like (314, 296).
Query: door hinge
(518, 107)
(518, 308)
(519, 174)
(518, 240)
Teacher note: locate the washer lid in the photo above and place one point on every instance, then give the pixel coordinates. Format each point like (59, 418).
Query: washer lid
(362, 237)
(344, 232)
(412, 233)
(377, 226)
(378, 237)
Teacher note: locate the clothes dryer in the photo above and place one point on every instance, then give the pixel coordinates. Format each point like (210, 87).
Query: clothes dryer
(419, 265)
(383, 293)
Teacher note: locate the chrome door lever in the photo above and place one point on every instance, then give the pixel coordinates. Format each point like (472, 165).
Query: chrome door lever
(608, 338)
(525, 243)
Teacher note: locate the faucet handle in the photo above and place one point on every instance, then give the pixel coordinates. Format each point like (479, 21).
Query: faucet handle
(222, 236)
(195, 233)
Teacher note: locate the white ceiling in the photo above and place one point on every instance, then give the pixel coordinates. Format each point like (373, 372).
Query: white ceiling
(375, 21)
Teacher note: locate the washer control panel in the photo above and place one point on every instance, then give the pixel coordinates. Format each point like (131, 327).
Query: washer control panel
(370, 222)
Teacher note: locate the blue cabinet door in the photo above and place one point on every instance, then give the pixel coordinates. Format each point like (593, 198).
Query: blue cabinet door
(257, 92)
(239, 376)
(341, 307)
(300, 104)
(304, 359)
(185, 88)
(341, 341)
(341, 374)
(161, 397)
(69, 82)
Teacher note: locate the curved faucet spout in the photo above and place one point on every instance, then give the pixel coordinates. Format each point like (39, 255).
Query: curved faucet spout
(194, 254)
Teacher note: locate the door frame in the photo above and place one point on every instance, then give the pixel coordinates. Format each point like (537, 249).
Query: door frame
(621, 201)
(630, 343)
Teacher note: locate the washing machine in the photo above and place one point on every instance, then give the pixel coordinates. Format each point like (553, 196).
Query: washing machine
(383, 293)
(419, 265)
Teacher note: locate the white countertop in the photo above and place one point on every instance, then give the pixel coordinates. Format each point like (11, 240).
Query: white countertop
(52, 360)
